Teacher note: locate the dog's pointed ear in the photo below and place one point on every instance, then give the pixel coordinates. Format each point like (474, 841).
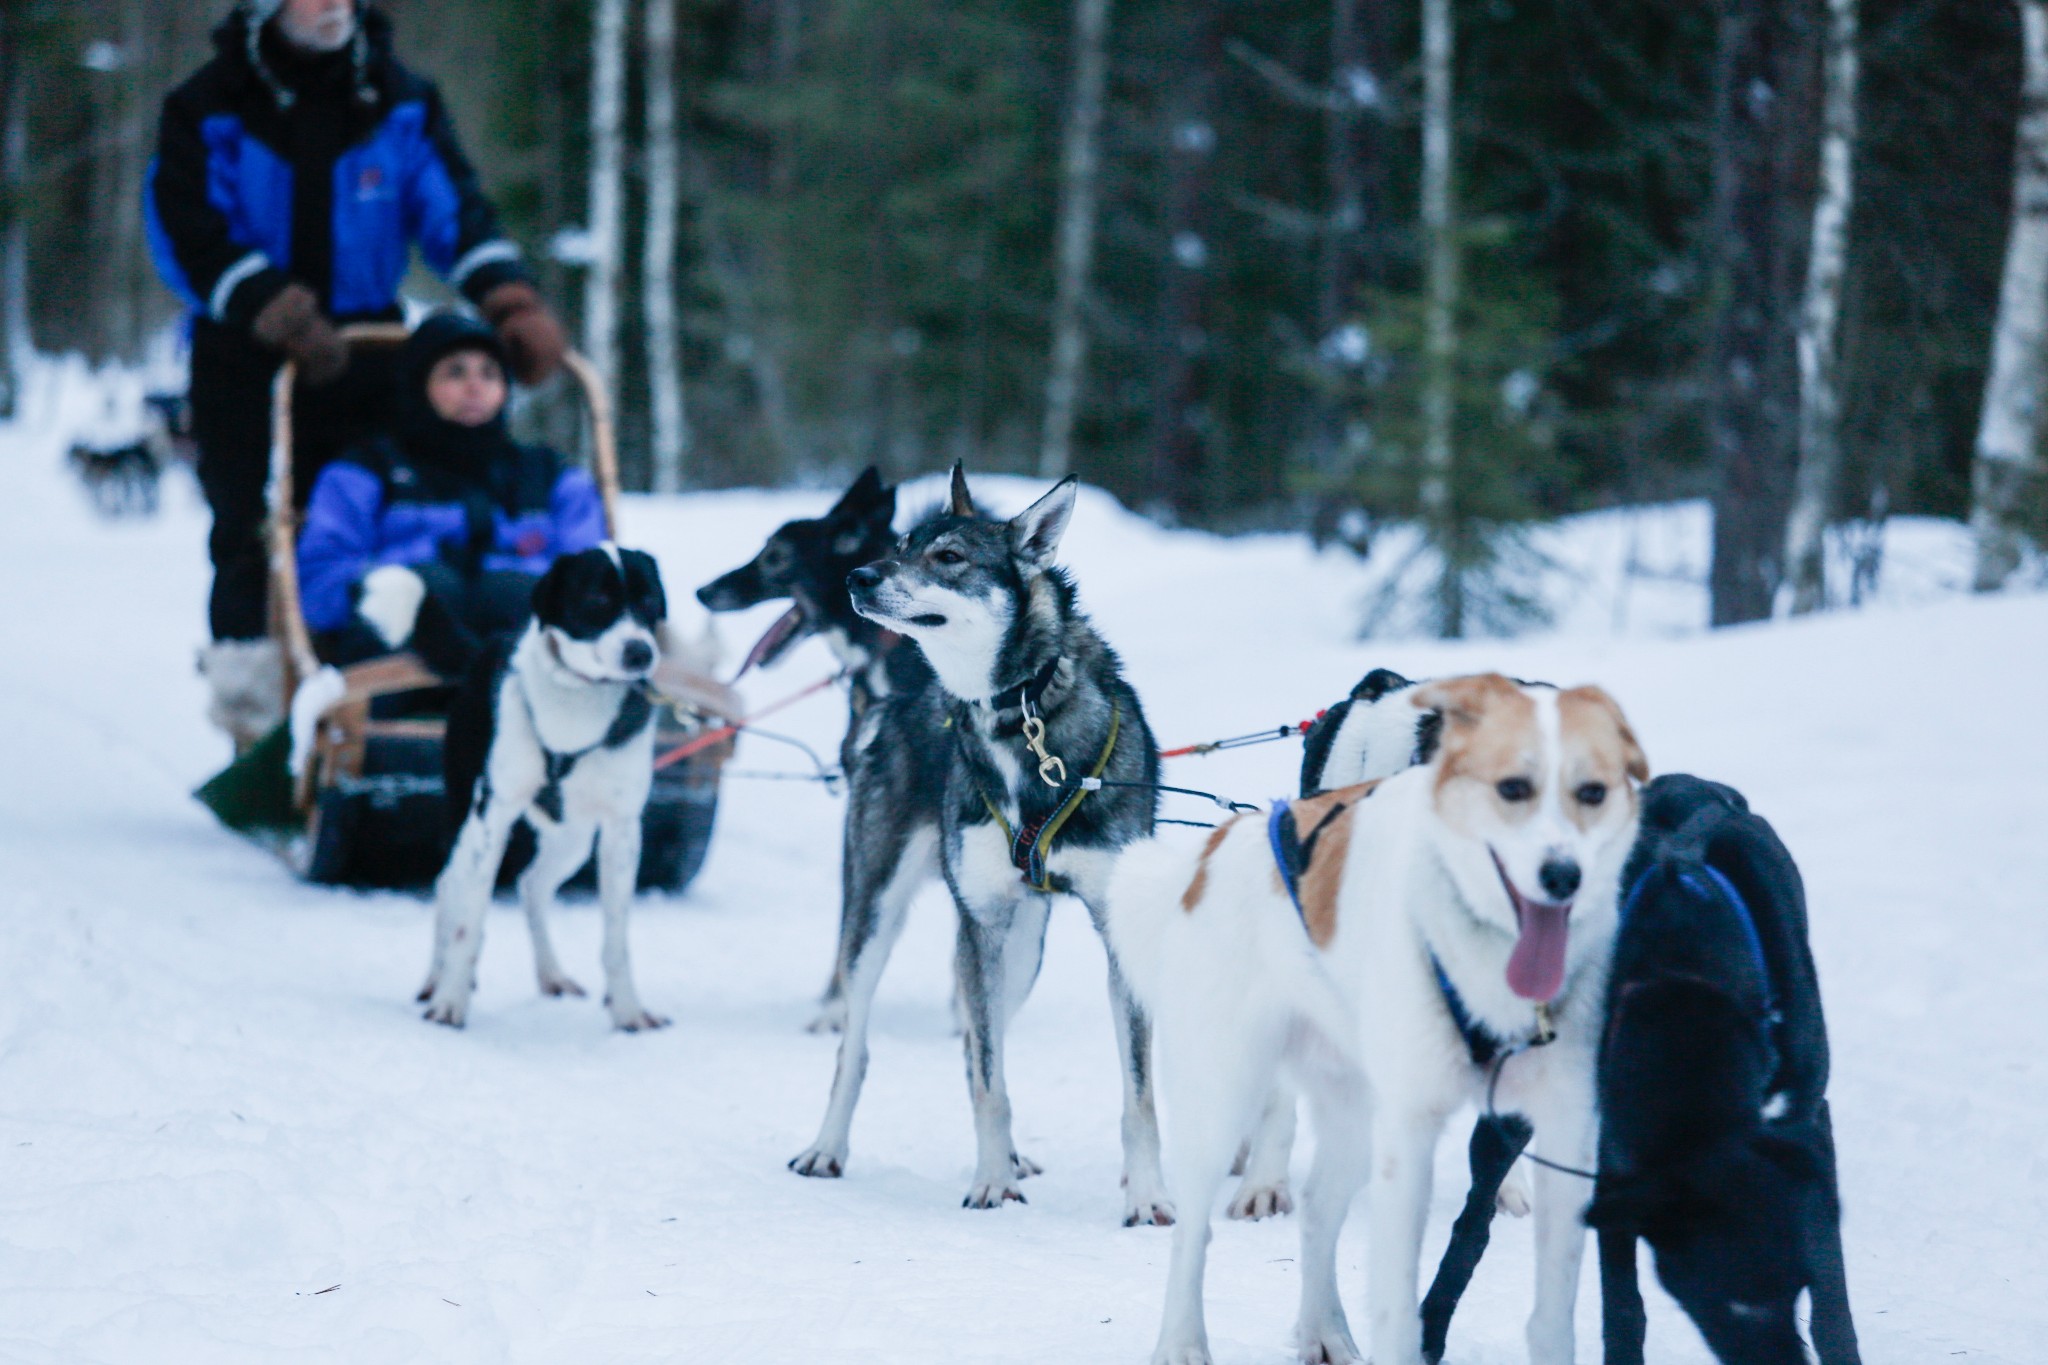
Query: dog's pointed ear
(864, 493)
(1378, 683)
(1035, 532)
(962, 501)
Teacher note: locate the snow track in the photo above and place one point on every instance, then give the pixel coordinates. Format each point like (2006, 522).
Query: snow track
(217, 1099)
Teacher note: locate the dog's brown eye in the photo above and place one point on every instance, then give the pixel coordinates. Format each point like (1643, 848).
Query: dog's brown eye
(1515, 789)
(947, 557)
(1591, 793)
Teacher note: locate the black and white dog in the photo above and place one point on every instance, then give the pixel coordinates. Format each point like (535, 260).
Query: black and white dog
(807, 561)
(1715, 1141)
(556, 727)
(1359, 740)
(1022, 771)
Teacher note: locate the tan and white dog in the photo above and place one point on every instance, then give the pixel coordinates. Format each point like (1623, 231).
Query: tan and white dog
(1377, 954)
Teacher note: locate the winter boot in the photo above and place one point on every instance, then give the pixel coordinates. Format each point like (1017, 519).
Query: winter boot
(246, 679)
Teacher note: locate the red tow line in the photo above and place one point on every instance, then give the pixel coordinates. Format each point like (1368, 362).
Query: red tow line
(1210, 746)
(696, 743)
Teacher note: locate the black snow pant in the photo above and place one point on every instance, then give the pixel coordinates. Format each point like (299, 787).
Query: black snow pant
(230, 396)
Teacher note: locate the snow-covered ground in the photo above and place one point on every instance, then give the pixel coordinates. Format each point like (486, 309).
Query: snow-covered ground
(226, 1135)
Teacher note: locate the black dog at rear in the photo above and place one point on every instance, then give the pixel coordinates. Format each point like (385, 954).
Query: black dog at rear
(1715, 1141)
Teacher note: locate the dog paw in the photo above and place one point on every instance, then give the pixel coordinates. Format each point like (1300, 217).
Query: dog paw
(427, 991)
(1513, 1196)
(453, 1013)
(1186, 1353)
(1023, 1167)
(1263, 1201)
(557, 986)
(830, 1018)
(637, 1020)
(1330, 1344)
(817, 1161)
(992, 1194)
(1156, 1212)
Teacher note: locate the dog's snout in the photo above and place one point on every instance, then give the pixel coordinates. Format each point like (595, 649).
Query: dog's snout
(708, 595)
(864, 579)
(1559, 878)
(638, 654)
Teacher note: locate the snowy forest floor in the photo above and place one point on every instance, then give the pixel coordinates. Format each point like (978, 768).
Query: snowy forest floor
(226, 1135)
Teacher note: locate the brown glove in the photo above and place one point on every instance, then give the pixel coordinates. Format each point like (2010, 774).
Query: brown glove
(293, 323)
(533, 337)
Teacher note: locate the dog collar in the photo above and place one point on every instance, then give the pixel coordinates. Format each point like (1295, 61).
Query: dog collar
(1291, 854)
(1031, 840)
(1024, 698)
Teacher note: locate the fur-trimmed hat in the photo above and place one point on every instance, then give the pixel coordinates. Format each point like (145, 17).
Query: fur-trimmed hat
(257, 13)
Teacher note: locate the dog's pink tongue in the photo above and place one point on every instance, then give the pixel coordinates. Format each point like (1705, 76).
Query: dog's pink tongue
(765, 647)
(1536, 967)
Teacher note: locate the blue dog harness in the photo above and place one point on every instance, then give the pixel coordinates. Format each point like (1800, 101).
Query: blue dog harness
(1291, 854)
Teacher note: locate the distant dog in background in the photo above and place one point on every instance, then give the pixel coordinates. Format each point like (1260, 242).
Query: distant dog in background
(1716, 1145)
(556, 727)
(122, 481)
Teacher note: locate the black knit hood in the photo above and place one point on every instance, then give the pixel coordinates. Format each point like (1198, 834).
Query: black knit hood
(446, 455)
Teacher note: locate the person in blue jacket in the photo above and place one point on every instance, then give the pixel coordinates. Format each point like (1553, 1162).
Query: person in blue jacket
(431, 537)
(295, 174)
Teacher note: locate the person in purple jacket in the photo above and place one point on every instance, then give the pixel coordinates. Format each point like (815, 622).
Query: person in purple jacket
(431, 538)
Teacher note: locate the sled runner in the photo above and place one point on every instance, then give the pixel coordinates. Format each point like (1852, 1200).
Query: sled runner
(367, 807)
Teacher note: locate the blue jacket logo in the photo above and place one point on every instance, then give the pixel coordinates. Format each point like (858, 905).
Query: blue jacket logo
(370, 185)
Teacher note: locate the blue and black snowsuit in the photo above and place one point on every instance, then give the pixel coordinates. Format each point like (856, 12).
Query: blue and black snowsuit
(477, 515)
(275, 166)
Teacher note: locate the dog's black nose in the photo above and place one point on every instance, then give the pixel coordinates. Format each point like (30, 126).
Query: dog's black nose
(638, 654)
(1560, 878)
(704, 595)
(864, 579)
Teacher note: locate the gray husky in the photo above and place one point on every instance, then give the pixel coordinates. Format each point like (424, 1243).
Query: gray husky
(1021, 771)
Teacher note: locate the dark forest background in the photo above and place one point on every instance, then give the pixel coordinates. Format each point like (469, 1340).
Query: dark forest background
(869, 191)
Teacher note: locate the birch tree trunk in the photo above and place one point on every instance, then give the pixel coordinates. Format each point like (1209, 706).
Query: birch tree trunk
(671, 434)
(1075, 248)
(2009, 426)
(607, 157)
(1820, 403)
(1440, 309)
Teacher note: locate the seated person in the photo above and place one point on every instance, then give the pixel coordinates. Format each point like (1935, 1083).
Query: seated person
(431, 538)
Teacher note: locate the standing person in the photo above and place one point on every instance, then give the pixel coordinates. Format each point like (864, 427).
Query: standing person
(294, 173)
